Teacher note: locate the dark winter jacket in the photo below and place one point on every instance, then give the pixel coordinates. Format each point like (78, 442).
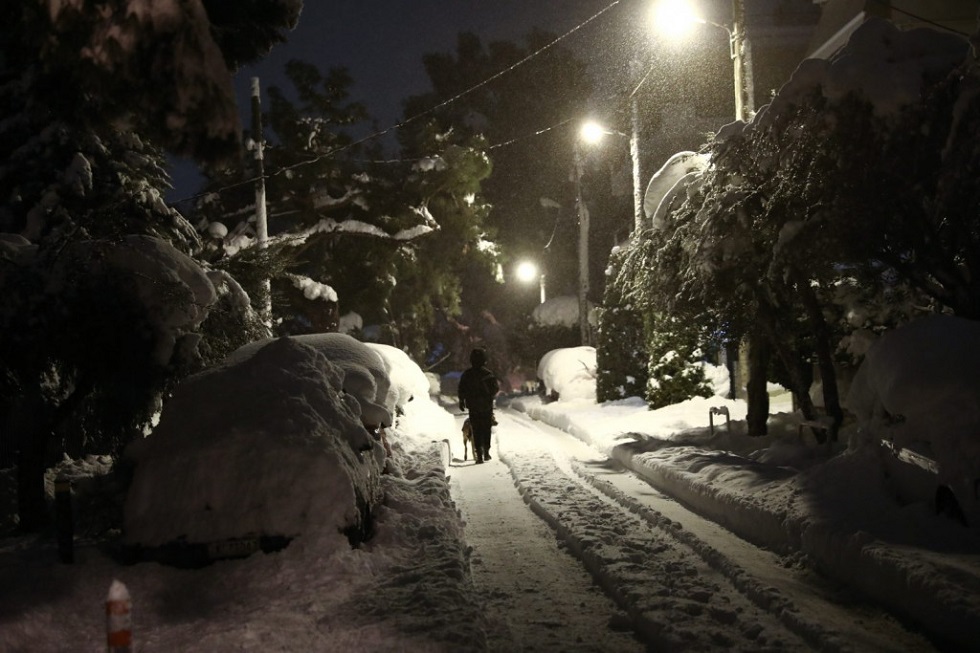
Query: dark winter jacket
(478, 386)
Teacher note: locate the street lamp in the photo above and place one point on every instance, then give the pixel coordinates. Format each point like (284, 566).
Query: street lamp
(674, 13)
(592, 132)
(675, 17)
(527, 272)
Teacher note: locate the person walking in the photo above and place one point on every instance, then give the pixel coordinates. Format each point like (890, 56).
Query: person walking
(477, 389)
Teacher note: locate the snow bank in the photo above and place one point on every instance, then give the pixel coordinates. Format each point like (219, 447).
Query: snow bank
(406, 378)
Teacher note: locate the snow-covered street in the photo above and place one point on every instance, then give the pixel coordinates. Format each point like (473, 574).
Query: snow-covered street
(537, 594)
(680, 581)
(551, 546)
(697, 281)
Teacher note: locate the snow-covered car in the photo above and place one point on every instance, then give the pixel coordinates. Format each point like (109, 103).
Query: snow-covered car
(569, 373)
(267, 446)
(917, 397)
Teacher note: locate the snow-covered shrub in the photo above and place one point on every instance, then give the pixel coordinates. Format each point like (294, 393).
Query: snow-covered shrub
(620, 351)
(675, 372)
(552, 325)
(231, 322)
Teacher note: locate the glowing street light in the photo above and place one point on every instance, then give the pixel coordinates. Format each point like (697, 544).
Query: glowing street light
(592, 132)
(528, 272)
(675, 18)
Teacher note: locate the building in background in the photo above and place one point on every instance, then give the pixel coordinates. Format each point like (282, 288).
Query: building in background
(839, 19)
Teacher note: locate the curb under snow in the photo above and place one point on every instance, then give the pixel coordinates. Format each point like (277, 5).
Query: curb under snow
(874, 567)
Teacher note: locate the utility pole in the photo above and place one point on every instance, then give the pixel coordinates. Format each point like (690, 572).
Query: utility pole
(261, 223)
(638, 217)
(635, 158)
(738, 386)
(738, 51)
(583, 252)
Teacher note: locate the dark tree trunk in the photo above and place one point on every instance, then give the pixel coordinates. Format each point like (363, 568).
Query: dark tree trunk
(757, 395)
(731, 362)
(797, 379)
(32, 509)
(828, 375)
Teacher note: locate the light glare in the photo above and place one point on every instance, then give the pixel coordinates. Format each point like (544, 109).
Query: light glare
(673, 18)
(592, 132)
(527, 271)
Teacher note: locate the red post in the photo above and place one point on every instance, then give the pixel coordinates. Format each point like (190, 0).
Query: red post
(119, 624)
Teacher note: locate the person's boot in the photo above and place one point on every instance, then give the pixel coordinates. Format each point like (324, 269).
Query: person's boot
(486, 455)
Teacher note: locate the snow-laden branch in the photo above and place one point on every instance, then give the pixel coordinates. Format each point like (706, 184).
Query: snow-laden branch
(243, 236)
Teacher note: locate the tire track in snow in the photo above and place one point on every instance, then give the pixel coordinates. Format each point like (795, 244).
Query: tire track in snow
(821, 623)
(676, 600)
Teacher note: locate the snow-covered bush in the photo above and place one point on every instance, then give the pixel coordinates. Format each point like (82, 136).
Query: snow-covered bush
(231, 321)
(553, 324)
(675, 372)
(620, 351)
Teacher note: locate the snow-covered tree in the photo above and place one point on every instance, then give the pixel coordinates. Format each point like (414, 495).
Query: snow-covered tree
(841, 180)
(545, 91)
(889, 170)
(385, 235)
(674, 370)
(161, 68)
(99, 311)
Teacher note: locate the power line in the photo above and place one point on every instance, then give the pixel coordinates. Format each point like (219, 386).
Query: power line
(410, 119)
(891, 7)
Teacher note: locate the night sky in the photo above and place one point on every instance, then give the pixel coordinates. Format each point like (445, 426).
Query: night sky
(381, 43)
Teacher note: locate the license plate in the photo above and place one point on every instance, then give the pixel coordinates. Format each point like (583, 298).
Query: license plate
(233, 548)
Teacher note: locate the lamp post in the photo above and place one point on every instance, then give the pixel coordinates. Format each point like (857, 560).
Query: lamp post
(635, 158)
(676, 17)
(527, 271)
(592, 132)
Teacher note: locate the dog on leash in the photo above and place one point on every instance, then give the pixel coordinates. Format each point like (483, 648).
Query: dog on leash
(467, 438)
